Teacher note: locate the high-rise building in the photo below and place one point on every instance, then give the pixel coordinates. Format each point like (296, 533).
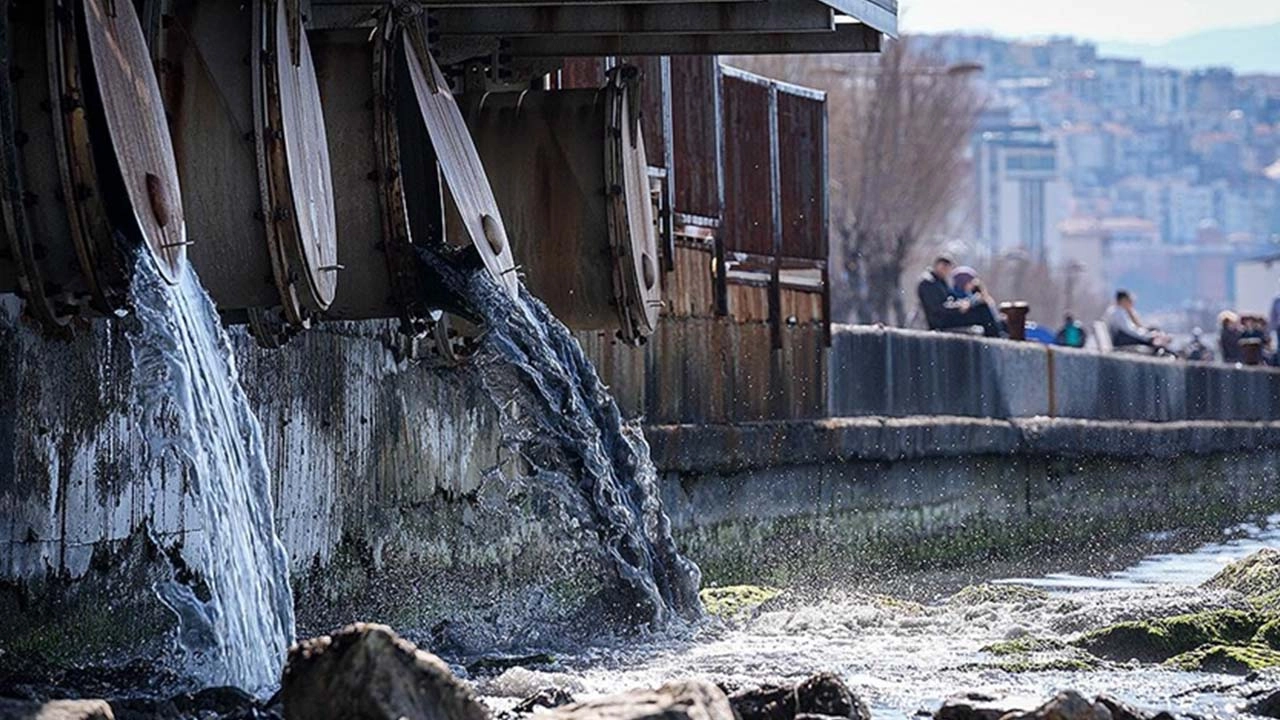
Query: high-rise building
(1022, 197)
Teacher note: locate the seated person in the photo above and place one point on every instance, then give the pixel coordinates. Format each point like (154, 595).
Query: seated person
(944, 308)
(1126, 329)
(1072, 333)
(1196, 349)
(1229, 337)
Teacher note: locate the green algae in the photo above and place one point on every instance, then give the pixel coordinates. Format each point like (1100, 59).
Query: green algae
(1229, 659)
(1025, 645)
(734, 600)
(996, 593)
(1057, 664)
(1256, 576)
(1164, 638)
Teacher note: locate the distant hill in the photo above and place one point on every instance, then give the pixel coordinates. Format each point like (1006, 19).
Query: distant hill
(1246, 50)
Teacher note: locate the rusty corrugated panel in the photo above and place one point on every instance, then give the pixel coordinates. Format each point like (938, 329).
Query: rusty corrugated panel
(803, 172)
(753, 373)
(655, 113)
(748, 302)
(748, 184)
(689, 289)
(695, 130)
(582, 73)
(803, 305)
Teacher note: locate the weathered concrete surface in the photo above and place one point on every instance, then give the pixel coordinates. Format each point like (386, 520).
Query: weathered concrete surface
(795, 501)
(394, 497)
(882, 371)
(749, 446)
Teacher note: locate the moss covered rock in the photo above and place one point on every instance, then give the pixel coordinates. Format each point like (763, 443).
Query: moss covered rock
(1230, 659)
(1164, 638)
(1255, 576)
(734, 600)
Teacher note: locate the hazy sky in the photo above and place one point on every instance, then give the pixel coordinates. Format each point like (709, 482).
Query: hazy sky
(1116, 20)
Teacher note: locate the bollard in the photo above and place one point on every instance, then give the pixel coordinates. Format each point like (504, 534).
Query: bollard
(1251, 350)
(1015, 314)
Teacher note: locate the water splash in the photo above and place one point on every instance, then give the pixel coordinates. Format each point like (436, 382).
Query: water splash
(236, 613)
(562, 420)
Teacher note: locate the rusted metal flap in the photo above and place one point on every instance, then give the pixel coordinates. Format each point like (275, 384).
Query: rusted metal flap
(635, 233)
(460, 164)
(139, 132)
(306, 156)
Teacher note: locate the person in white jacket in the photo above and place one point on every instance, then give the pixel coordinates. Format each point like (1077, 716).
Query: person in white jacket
(1127, 329)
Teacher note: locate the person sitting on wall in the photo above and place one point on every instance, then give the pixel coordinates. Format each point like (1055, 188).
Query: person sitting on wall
(1229, 337)
(1254, 330)
(1127, 329)
(1072, 333)
(945, 309)
(1196, 350)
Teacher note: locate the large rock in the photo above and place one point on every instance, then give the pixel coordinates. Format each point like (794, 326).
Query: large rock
(56, 710)
(1257, 577)
(1266, 705)
(367, 672)
(687, 700)
(1160, 639)
(971, 706)
(823, 694)
(1067, 705)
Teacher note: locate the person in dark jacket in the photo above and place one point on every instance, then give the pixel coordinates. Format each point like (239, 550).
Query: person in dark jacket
(1229, 337)
(942, 310)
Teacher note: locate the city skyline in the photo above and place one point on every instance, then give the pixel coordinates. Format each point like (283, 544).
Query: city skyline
(1128, 21)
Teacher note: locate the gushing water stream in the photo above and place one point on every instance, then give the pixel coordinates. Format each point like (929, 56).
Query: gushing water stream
(563, 420)
(236, 617)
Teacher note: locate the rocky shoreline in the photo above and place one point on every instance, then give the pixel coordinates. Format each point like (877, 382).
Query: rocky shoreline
(1229, 627)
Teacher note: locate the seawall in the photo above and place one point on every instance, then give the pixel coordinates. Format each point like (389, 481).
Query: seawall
(840, 499)
(394, 497)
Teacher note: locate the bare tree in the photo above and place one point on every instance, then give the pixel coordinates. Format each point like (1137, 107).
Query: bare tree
(899, 124)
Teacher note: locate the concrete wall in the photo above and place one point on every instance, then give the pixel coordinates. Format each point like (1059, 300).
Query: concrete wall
(395, 497)
(878, 371)
(845, 500)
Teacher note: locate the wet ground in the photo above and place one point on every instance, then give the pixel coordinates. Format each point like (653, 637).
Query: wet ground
(906, 656)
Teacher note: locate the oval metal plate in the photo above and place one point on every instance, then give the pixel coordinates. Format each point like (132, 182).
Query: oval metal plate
(460, 164)
(139, 132)
(307, 158)
(641, 271)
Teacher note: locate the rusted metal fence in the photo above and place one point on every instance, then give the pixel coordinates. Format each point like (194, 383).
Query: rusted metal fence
(746, 321)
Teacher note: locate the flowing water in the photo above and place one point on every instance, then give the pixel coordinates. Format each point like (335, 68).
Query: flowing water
(905, 657)
(236, 612)
(562, 420)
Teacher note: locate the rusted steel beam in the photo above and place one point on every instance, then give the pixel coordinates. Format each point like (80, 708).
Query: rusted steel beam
(846, 38)
(755, 16)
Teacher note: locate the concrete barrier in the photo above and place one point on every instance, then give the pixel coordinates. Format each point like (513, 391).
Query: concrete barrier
(883, 371)
(842, 499)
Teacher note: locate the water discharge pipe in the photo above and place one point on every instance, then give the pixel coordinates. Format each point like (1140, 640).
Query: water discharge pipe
(86, 159)
(240, 89)
(383, 150)
(570, 173)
